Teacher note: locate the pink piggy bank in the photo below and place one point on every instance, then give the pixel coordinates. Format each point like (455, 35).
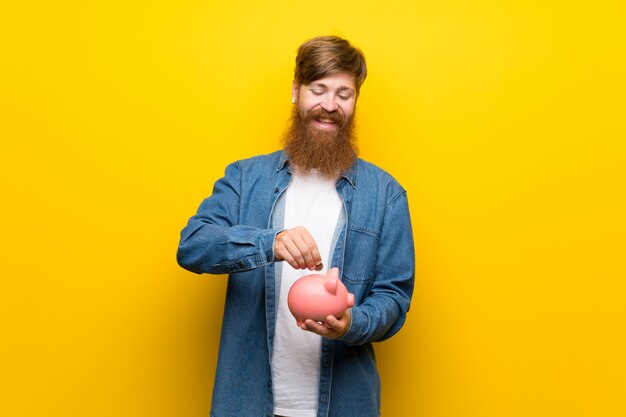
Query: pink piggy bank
(318, 296)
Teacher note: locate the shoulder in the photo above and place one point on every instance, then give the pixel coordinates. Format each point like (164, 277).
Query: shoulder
(270, 160)
(372, 178)
(255, 164)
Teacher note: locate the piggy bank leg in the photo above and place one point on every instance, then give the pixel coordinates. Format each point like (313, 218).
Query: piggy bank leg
(300, 323)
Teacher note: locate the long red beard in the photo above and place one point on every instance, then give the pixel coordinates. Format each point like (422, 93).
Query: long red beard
(328, 152)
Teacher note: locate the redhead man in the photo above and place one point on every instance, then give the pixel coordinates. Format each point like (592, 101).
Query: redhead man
(309, 207)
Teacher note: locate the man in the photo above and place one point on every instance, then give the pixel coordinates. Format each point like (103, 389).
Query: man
(274, 218)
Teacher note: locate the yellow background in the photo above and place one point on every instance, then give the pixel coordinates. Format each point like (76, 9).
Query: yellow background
(504, 120)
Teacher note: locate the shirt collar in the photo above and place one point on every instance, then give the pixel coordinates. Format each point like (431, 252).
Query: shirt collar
(349, 175)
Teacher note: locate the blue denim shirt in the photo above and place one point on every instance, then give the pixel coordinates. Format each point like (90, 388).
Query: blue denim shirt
(232, 233)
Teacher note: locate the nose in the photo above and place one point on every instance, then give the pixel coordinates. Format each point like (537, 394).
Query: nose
(329, 104)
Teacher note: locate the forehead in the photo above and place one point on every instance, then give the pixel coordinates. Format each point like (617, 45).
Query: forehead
(336, 81)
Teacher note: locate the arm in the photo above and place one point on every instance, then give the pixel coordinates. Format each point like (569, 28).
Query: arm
(384, 310)
(213, 240)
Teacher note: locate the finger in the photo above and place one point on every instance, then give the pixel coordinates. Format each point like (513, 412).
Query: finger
(340, 325)
(316, 258)
(334, 323)
(320, 329)
(295, 253)
(289, 259)
(280, 249)
(315, 327)
(305, 249)
(282, 254)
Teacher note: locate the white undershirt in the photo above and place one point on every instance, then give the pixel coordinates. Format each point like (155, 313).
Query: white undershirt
(310, 201)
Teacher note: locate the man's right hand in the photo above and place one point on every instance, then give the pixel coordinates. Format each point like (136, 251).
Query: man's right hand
(298, 248)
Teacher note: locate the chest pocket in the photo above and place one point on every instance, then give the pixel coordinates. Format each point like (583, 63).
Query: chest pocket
(360, 256)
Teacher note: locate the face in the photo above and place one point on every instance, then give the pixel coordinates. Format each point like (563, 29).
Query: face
(333, 99)
(321, 135)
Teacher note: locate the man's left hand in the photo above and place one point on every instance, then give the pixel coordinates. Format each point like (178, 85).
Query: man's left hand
(336, 327)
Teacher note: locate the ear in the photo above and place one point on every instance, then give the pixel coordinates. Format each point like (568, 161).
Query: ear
(331, 286)
(333, 273)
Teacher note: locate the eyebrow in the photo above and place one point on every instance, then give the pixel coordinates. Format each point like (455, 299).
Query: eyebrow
(341, 88)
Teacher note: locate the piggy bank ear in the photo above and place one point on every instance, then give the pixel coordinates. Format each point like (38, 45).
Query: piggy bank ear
(333, 272)
(331, 286)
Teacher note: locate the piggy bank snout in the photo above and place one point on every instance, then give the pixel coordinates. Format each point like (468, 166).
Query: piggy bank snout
(350, 300)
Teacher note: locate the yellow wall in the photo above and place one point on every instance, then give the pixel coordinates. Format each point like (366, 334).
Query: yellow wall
(503, 119)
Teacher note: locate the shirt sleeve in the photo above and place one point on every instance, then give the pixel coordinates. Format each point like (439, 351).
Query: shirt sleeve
(214, 242)
(383, 312)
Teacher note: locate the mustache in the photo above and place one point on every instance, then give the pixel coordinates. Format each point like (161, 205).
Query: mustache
(320, 113)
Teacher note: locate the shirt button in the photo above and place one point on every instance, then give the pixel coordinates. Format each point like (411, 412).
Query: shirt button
(276, 189)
